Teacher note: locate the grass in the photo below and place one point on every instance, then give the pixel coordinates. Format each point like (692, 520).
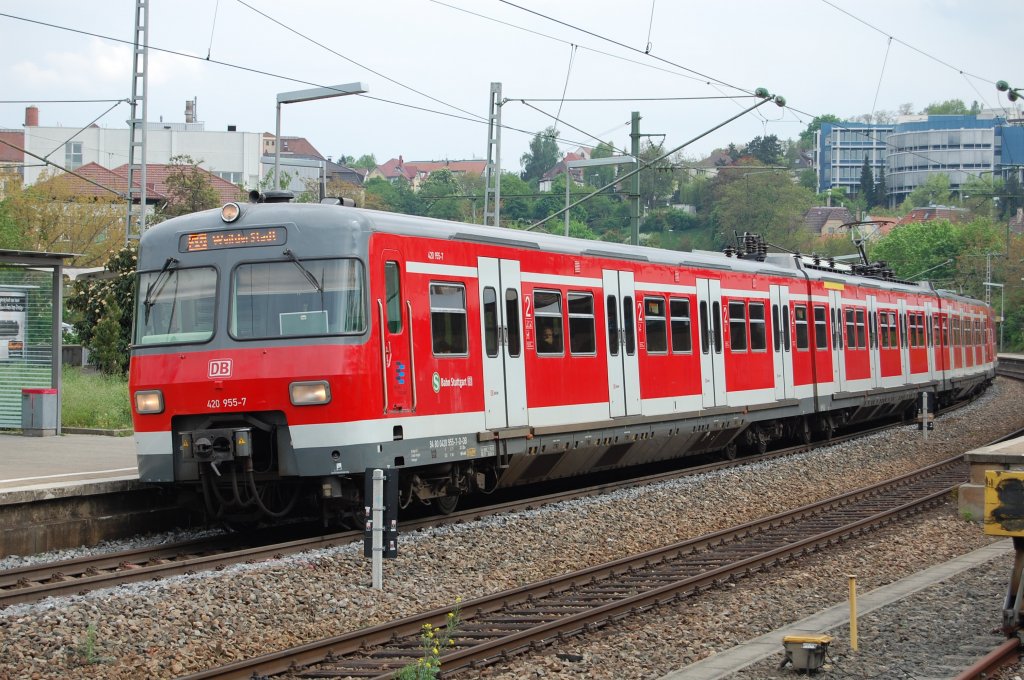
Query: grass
(94, 400)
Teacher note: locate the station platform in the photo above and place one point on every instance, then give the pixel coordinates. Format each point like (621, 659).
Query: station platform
(38, 463)
(731, 661)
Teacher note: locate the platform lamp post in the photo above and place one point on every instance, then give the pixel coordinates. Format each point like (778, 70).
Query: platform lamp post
(1001, 319)
(307, 96)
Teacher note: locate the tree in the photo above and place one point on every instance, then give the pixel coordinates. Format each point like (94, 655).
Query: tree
(395, 196)
(441, 192)
(601, 175)
(657, 183)
(880, 189)
(1013, 195)
(764, 201)
(768, 150)
(867, 184)
(284, 180)
(952, 107)
(101, 309)
(366, 162)
(61, 212)
(189, 188)
(516, 198)
(934, 191)
(542, 156)
(919, 246)
(806, 140)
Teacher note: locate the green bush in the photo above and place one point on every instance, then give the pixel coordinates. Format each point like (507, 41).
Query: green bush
(94, 400)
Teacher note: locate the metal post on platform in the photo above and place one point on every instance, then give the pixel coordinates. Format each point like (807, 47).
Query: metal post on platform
(853, 611)
(924, 414)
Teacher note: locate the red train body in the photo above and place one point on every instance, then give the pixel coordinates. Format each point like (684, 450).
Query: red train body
(280, 355)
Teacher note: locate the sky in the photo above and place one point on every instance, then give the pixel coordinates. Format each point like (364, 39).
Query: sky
(580, 65)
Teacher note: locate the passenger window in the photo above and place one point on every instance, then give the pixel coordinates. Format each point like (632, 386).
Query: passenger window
(775, 328)
(861, 343)
(448, 318)
(800, 319)
(716, 316)
(851, 328)
(512, 319)
(547, 307)
(393, 295)
(655, 325)
(705, 346)
(490, 321)
(758, 337)
(738, 326)
(612, 315)
(820, 329)
(629, 321)
(682, 340)
(785, 328)
(581, 323)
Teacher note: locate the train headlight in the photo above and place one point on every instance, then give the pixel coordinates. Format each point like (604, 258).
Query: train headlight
(230, 212)
(149, 401)
(309, 393)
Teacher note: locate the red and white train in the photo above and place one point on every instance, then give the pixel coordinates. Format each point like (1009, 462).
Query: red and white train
(281, 350)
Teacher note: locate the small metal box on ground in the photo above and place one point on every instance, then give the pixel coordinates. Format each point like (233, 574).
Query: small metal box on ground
(805, 652)
(39, 412)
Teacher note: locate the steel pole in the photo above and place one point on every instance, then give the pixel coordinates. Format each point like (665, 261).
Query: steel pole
(277, 150)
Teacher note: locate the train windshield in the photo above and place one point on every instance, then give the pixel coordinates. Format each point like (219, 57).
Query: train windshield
(297, 298)
(175, 305)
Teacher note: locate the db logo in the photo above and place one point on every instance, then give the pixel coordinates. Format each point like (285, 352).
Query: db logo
(220, 368)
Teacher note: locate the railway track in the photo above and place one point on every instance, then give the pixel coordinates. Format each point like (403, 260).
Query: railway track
(80, 575)
(517, 621)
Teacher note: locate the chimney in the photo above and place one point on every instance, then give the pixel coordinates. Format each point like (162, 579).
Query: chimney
(190, 110)
(232, 128)
(32, 116)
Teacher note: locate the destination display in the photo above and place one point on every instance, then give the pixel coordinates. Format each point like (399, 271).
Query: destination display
(237, 238)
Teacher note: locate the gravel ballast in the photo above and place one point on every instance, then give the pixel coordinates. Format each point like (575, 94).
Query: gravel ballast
(186, 624)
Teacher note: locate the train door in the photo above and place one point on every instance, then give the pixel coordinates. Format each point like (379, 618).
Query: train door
(876, 357)
(835, 302)
(394, 314)
(504, 367)
(623, 365)
(930, 340)
(904, 341)
(712, 361)
(782, 343)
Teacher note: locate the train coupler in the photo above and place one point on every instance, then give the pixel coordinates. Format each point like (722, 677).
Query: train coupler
(218, 445)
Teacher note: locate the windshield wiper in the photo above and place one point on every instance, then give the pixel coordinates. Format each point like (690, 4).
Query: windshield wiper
(308, 274)
(158, 284)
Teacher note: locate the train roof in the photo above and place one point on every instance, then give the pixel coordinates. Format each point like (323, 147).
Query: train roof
(317, 217)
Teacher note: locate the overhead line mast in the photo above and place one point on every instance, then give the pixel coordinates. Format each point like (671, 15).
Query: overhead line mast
(137, 126)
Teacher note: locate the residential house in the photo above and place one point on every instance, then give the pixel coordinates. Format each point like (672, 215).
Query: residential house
(12, 160)
(827, 221)
(934, 212)
(414, 172)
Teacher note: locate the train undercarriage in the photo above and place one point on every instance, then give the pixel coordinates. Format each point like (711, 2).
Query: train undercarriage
(236, 463)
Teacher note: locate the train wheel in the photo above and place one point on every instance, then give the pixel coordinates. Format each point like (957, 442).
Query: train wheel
(805, 434)
(446, 504)
(730, 450)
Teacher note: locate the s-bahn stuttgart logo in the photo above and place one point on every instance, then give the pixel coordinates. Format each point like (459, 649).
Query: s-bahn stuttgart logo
(219, 368)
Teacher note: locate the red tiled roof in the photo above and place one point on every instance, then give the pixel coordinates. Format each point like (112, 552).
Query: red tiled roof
(156, 177)
(7, 154)
(467, 167)
(97, 173)
(934, 212)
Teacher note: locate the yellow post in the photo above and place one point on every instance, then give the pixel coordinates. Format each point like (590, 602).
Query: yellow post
(853, 612)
